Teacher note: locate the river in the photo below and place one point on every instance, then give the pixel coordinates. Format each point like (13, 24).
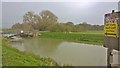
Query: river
(63, 52)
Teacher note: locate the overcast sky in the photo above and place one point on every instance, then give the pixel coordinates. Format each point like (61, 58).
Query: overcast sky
(0, 14)
(77, 12)
(59, 0)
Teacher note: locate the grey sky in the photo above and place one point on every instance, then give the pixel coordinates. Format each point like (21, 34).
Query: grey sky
(92, 12)
(0, 15)
(59, 0)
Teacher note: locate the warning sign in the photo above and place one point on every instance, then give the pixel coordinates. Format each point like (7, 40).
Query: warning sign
(111, 29)
(111, 25)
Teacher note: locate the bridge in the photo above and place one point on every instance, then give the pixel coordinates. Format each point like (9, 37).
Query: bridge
(10, 35)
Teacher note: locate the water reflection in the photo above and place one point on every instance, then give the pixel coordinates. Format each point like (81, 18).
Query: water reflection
(65, 52)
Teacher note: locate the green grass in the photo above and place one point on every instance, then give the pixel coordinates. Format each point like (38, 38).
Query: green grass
(90, 32)
(89, 37)
(0, 52)
(13, 57)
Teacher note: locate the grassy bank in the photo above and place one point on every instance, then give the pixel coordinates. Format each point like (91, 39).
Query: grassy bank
(0, 53)
(89, 37)
(13, 57)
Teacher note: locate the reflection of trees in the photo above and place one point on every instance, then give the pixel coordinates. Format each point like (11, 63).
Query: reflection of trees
(44, 46)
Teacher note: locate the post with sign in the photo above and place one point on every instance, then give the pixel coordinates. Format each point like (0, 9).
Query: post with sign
(111, 34)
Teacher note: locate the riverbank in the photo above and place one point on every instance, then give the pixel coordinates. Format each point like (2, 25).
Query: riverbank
(89, 37)
(13, 57)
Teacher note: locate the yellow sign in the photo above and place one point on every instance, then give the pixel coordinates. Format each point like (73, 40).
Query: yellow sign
(111, 29)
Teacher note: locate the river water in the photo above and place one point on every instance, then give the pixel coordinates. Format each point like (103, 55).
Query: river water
(63, 52)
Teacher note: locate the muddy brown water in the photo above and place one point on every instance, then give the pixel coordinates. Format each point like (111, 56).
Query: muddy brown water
(63, 52)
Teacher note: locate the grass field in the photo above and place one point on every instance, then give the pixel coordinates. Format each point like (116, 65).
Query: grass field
(0, 53)
(89, 37)
(13, 57)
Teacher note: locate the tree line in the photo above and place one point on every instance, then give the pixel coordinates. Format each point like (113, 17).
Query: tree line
(48, 21)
